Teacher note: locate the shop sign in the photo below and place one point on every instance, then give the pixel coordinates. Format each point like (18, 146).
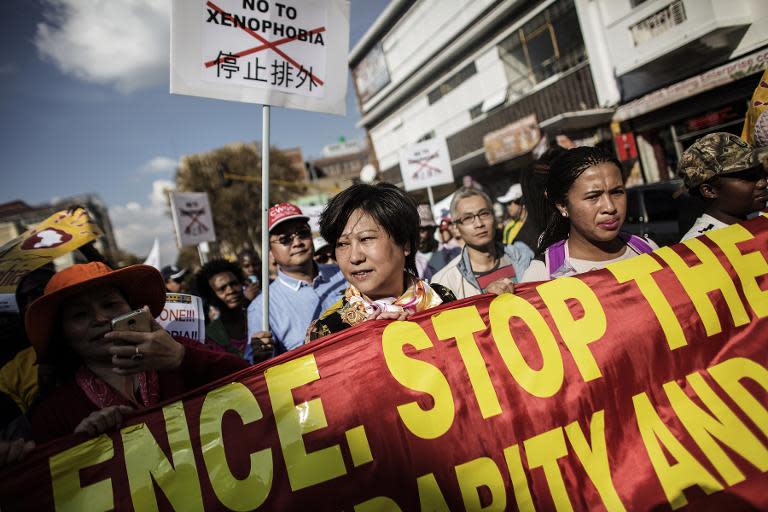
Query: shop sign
(513, 140)
(713, 78)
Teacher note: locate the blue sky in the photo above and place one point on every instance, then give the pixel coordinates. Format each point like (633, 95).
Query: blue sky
(85, 107)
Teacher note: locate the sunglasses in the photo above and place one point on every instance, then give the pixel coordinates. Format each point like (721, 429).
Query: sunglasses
(287, 238)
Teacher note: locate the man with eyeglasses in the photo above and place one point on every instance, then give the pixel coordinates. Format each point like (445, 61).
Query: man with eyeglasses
(483, 266)
(302, 290)
(728, 175)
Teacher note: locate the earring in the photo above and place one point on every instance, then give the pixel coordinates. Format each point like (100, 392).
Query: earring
(565, 213)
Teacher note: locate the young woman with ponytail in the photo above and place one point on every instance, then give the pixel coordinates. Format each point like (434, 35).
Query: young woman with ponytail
(585, 203)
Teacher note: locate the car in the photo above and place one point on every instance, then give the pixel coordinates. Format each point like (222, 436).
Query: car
(661, 211)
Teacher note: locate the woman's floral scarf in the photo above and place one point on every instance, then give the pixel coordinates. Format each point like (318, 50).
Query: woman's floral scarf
(418, 297)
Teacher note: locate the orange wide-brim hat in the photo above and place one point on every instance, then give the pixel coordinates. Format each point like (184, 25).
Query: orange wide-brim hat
(142, 285)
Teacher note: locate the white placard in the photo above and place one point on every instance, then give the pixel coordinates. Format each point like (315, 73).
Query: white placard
(192, 218)
(426, 164)
(8, 303)
(183, 315)
(291, 53)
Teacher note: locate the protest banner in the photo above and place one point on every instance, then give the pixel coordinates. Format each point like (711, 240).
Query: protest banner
(183, 316)
(286, 54)
(192, 218)
(641, 386)
(59, 234)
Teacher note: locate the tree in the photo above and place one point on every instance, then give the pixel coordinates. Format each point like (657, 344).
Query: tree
(235, 203)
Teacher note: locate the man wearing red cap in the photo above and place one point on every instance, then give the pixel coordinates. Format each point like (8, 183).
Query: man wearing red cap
(302, 290)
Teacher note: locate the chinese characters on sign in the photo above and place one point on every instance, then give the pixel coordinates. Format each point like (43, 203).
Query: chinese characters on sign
(290, 53)
(266, 45)
(269, 62)
(282, 73)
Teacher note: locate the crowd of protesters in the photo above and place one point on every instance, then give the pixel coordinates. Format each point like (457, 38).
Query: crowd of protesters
(380, 256)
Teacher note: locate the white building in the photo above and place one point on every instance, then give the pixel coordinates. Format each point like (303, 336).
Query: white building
(462, 69)
(680, 69)
(593, 70)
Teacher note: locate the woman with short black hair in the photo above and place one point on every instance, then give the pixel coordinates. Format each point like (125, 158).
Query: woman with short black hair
(374, 230)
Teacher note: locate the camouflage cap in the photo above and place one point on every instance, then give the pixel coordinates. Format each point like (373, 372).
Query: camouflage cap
(716, 154)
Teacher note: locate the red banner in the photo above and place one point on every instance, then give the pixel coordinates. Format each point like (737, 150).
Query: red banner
(639, 386)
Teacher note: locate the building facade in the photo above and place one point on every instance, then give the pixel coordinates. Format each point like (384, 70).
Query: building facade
(681, 69)
(497, 77)
(493, 78)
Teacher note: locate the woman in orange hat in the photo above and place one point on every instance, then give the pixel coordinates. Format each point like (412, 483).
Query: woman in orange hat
(105, 374)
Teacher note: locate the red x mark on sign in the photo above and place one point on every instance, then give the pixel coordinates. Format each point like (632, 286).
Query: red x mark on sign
(423, 164)
(267, 44)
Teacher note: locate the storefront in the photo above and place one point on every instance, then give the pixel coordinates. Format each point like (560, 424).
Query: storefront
(654, 130)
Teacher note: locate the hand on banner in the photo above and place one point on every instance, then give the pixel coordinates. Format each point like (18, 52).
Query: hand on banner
(263, 346)
(503, 285)
(103, 420)
(12, 452)
(136, 352)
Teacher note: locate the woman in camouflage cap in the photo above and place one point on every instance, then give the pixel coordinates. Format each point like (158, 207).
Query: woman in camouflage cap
(728, 175)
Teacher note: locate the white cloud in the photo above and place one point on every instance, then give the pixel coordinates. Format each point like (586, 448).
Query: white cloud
(159, 165)
(121, 43)
(137, 225)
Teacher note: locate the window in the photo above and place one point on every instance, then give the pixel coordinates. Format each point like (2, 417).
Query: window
(451, 83)
(427, 136)
(547, 44)
(476, 111)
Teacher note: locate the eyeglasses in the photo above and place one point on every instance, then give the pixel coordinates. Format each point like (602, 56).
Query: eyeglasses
(287, 239)
(483, 215)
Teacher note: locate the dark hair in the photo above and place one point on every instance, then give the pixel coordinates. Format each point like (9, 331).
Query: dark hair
(564, 171)
(209, 270)
(533, 181)
(389, 206)
(248, 252)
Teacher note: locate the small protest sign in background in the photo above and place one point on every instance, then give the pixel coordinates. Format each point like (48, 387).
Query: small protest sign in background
(183, 315)
(192, 218)
(426, 164)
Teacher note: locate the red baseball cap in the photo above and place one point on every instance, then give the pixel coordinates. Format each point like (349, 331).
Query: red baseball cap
(282, 212)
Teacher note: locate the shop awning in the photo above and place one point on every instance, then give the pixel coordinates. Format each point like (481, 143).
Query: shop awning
(711, 79)
(577, 120)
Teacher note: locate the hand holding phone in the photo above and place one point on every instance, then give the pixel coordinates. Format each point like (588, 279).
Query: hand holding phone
(138, 320)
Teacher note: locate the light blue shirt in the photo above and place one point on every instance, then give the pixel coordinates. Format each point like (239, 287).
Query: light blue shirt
(293, 305)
